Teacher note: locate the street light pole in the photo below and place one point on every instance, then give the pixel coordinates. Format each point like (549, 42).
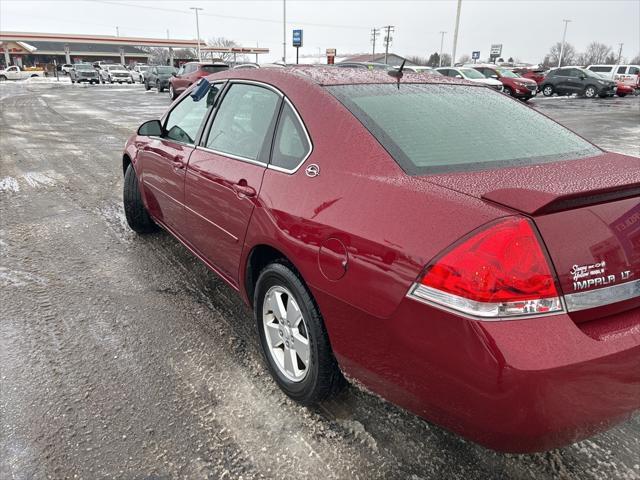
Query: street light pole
(455, 34)
(117, 31)
(197, 30)
(620, 53)
(441, 45)
(564, 37)
(284, 31)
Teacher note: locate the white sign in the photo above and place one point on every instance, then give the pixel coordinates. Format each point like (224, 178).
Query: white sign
(496, 49)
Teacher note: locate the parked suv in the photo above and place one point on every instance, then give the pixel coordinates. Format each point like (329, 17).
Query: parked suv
(535, 74)
(570, 80)
(513, 84)
(84, 72)
(190, 73)
(116, 73)
(158, 76)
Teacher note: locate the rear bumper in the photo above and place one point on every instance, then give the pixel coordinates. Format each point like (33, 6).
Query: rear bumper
(514, 386)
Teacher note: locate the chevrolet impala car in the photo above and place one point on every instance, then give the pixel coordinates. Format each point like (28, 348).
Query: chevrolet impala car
(378, 233)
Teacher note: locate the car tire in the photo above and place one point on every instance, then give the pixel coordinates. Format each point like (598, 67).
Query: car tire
(590, 91)
(508, 91)
(147, 86)
(159, 87)
(172, 92)
(3, 78)
(622, 95)
(134, 210)
(321, 376)
(547, 90)
(73, 81)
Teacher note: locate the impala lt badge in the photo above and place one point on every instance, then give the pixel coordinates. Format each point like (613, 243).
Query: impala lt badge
(587, 276)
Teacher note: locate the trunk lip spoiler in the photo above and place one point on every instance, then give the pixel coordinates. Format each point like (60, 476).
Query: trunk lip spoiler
(536, 202)
(601, 297)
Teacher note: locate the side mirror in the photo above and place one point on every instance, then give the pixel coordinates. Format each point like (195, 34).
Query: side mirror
(583, 77)
(152, 128)
(458, 76)
(494, 76)
(174, 74)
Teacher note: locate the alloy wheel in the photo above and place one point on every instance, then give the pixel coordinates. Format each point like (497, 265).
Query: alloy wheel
(590, 92)
(286, 333)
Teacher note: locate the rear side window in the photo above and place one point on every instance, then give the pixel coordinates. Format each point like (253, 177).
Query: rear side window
(291, 145)
(634, 70)
(604, 69)
(430, 128)
(214, 68)
(243, 120)
(622, 69)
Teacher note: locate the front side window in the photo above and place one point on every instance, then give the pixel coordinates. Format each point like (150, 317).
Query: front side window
(430, 128)
(185, 119)
(291, 144)
(622, 69)
(242, 121)
(634, 70)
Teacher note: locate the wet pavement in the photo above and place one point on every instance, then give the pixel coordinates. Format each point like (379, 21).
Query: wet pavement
(124, 357)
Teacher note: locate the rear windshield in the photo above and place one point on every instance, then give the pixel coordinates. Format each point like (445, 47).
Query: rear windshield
(214, 68)
(166, 69)
(431, 128)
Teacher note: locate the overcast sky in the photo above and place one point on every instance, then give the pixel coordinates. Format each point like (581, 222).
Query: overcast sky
(526, 28)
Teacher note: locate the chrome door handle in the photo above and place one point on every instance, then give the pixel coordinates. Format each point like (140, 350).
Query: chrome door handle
(177, 164)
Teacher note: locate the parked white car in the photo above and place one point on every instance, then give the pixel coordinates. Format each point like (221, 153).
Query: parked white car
(627, 74)
(138, 72)
(115, 73)
(66, 68)
(470, 74)
(14, 72)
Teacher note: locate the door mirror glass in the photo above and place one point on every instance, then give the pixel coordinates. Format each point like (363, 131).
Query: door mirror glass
(152, 128)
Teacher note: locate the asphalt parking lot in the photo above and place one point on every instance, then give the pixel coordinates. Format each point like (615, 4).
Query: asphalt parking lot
(124, 357)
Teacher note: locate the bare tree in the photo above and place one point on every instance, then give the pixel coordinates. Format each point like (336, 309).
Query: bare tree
(464, 59)
(416, 60)
(568, 55)
(635, 60)
(158, 55)
(596, 53)
(225, 43)
(446, 59)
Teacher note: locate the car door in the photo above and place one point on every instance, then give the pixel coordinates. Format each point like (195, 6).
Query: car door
(575, 80)
(183, 80)
(164, 161)
(225, 173)
(561, 81)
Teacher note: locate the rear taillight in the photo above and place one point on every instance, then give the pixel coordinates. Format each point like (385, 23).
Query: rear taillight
(500, 272)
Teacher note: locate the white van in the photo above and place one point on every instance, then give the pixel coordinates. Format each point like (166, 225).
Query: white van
(627, 74)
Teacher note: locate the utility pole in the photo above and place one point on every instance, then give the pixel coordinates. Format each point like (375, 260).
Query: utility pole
(168, 36)
(284, 31)
(117, 31)
(564, 37)
(620, 53)
(375, 33)
(441, 45)
(387, 41)
(197, 30)
(455, 34)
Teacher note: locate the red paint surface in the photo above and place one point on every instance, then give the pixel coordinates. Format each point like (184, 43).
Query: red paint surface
(519, 385)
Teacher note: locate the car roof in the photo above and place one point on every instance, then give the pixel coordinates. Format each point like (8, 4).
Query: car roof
(328, 76)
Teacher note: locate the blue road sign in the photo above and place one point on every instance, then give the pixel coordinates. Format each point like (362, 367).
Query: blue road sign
(475, 55)
(297, 38)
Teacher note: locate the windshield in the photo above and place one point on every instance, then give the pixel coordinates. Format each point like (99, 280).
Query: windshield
(166, 69)
(508, 73)
(471, 73)
(143, 68)
(430, 128)
(83, 67)
(115, 67)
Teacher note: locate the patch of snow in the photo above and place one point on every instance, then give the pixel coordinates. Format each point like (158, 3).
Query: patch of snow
(9, 184)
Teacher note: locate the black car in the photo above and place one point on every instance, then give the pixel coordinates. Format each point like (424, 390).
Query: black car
(84, 72)
(158, 76)
(570, 80)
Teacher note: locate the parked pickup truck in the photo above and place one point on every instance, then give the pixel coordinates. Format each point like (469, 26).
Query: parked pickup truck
(16, 73)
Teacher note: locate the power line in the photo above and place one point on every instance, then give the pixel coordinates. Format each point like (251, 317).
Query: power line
(229, 17)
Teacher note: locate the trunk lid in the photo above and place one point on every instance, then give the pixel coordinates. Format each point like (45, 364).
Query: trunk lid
(588, 215)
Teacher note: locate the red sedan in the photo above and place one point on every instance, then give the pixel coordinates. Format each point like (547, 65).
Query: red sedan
(450, 248)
